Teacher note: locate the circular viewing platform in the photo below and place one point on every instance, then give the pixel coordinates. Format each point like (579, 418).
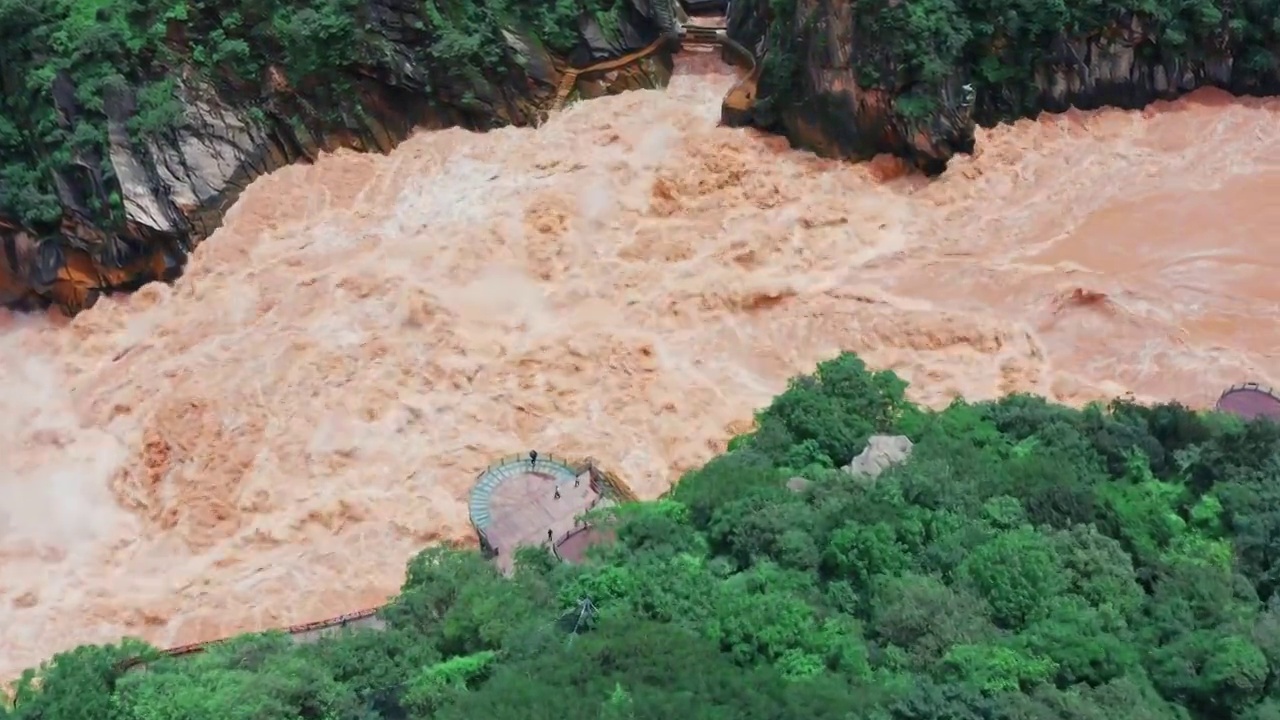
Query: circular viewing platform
(1250, 401)
(518, 501)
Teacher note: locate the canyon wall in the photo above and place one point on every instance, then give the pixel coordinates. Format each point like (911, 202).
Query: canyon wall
(128, 128)
(915, 77)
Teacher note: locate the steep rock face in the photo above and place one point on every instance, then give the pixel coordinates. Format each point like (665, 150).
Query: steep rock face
(915, 77)
(816, 84)
(126, 206)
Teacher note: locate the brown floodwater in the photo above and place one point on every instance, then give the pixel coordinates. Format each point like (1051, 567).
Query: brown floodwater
(267, 441)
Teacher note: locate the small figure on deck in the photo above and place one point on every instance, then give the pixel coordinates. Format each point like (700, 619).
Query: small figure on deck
(550, 536)
(533, 459)
(557, 496)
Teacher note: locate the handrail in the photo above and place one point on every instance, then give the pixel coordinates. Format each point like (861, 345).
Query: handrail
(603, 481)
(740, 50)
(1263, 402)
(1249, 386)
(555, 547)
(199, 647)
(735, 110)
(570, 78)
(524, 457)
(738, 102)
(486, 545)
(611, 480)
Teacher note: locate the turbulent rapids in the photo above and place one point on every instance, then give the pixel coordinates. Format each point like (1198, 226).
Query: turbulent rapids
(268, 440)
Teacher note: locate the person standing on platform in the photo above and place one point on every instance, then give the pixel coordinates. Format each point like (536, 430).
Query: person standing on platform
(533, 459)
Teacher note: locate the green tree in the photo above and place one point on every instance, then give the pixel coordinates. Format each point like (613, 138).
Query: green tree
(619, 706)
(859, 552)
(433, 687)
(1085, 644)
(996, 669)
(1211, 672)
(1099, 570)
(1018, 573)
(75, 685)
(837, 408)
(255, 678)
(923, 616)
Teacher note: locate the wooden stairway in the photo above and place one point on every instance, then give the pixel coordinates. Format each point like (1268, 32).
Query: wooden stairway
(690, 34)
(570, 77)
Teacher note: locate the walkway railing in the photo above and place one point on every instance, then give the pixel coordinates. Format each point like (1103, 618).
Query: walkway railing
(1250, 400)
(602, 481)
(486, 482)
(1249, 387)
(570, 78)
(738, 102)
(301, 632)
(609, 479)
(555, 546)
(514, 458)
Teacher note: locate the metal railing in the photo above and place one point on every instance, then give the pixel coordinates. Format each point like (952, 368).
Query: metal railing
(486, 546)
(338, 622)
(569, 80)
(516, 458)
(742, 93)
(1250, 400)
(555, 546)
(611, 480)
(577, 466)
(1250, 387)
(602, 482)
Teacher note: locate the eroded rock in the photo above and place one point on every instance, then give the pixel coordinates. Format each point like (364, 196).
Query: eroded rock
(881, 452)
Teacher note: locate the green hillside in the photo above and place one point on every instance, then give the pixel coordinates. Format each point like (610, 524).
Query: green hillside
(1029, 562)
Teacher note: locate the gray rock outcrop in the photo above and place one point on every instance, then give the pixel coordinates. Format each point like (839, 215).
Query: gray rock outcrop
(881, 452)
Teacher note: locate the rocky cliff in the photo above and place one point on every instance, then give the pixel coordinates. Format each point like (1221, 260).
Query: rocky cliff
(128, 127)
(914, 77)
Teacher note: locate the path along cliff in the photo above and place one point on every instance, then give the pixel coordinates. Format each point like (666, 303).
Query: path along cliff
(129, 127)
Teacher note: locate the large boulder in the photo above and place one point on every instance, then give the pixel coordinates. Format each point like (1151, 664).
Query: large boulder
(881, 452)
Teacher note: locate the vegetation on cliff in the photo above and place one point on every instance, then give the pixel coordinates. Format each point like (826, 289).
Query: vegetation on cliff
(1018, 57)
(65, 64)
(1029, 561)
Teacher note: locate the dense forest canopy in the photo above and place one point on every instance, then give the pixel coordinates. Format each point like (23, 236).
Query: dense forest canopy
(1028, 562)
